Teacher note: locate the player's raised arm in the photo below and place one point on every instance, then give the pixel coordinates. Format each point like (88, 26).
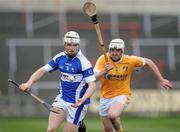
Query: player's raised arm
(162, 81)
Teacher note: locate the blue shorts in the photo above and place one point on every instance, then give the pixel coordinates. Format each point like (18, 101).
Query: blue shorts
(73, 115)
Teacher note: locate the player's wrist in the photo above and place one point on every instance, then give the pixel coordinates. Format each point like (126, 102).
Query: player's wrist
(29, 83)
(105, 70)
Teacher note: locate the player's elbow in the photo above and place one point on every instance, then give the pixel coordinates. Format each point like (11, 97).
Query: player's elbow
(149, 62)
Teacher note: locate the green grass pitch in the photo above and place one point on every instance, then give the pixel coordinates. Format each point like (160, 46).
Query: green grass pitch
(130, 124)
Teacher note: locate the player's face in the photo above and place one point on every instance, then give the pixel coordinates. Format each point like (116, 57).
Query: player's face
(71, 49)
(115, 54)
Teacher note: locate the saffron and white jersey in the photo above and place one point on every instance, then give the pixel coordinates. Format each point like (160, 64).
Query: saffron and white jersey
(75, 74)
(117, 81)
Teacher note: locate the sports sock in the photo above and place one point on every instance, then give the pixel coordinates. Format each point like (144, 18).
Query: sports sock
(82, 127)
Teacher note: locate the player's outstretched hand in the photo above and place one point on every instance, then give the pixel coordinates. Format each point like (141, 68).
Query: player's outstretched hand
(166, 84)
(78, 103)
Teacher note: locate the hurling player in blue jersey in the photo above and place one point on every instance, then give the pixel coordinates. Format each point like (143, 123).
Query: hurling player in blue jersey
(77, 84)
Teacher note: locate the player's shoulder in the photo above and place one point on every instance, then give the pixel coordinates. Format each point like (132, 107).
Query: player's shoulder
(81, 56)
(130, 57)
(126, 57)
(102, 58)
(134, 59)
(83, 59)
(59, 55)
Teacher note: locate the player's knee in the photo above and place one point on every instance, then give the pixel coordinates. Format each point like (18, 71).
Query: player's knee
(108, 129)
(50, 129)
(112, 116)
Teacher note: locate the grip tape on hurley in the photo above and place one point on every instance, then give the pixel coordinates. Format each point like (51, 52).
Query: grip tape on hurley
(94, 19)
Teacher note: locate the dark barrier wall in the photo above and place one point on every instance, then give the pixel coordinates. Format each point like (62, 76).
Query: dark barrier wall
(13, 25)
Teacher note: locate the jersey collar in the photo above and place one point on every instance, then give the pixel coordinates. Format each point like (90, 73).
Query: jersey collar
(78, 54)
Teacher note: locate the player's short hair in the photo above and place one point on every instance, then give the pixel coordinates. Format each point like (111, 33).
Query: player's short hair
(72, 37)
(117, 44)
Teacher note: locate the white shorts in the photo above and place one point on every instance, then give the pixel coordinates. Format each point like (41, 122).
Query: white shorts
(73, 115)
(105, 103)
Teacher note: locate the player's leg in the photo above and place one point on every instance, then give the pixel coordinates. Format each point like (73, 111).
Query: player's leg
(117, 125)
(103, 112)
(121, 127)
(107, 124)
(115, 110)
(55, 120)
(74, 117)
(70, 127)
(114, 113)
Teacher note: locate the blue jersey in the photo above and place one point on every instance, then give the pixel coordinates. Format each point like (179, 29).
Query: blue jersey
(75, 73)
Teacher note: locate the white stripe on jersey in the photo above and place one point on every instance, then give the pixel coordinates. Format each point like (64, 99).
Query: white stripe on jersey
(47, 67)
(78, 90)
(84, 62)
(58, 55)
(90, 79)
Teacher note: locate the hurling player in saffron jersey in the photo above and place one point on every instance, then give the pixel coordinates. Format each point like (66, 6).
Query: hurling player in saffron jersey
(115, 76)
(77, 84)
